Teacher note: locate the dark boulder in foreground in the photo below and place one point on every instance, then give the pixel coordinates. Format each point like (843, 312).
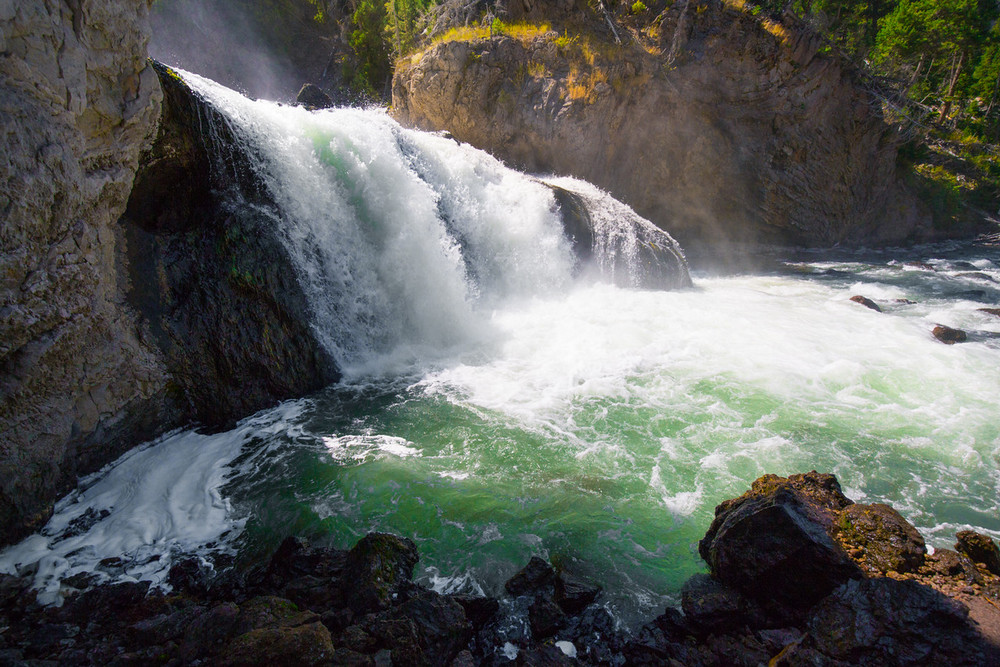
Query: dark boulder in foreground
(777, 540)
(883, 601)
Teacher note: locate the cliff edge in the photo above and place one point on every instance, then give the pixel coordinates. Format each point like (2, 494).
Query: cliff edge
(719, 125)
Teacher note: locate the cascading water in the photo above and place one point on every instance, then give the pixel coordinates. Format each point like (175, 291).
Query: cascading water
(538, 413)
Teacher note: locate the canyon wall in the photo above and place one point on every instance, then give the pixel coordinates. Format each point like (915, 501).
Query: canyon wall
(133, 297)
(718, 125)
(77, 102)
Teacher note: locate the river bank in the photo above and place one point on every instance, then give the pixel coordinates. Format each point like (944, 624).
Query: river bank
(799, 574)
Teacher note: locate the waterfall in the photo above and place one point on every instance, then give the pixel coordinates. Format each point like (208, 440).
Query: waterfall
(406, 239)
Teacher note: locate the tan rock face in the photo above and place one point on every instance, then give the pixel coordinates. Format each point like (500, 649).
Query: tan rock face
(77, 102)
(748, 135)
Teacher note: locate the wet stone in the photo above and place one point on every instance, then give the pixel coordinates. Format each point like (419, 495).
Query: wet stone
(536, 574)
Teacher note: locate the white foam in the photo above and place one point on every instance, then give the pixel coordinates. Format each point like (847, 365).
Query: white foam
(154, 502)
(363, 447)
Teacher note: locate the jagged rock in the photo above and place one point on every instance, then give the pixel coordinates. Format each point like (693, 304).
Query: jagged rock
(866, 302)
(990, 311)
(949, 336)
(775, 542)
(536, 574)
(312, 96)
(887, 541)
(377, 570)
(430, 626)
(573, 595)
(980, 549)
(885, 621)
(269, 611)
(479, 610)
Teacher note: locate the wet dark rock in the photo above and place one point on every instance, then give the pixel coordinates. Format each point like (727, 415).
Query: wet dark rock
(885, 621)
(949, 336)
(887, 541)
(545, 617)
(378, 570)
(190, 575)
(546, 655)
(479, 610)
(775, 542)
(980, 549)
(429, 625)
(866, 302)
(202, 254)
(990, 311)
(210, 632)
(573, 595)
(595, 635)
(312, 96)
(536, 574)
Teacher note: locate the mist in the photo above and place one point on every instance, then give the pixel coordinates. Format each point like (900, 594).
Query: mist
(239, 45)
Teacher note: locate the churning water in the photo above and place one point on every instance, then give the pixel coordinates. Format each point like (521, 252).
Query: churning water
(517, 410)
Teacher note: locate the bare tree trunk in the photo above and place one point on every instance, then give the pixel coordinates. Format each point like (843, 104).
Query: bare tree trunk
(946, 106)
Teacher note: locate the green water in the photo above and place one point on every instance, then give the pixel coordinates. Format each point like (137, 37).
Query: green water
(600, 429)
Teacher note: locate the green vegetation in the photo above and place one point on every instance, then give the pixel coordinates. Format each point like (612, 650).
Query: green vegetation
(936, 66)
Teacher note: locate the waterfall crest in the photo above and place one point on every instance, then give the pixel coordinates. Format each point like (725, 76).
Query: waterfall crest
(404, 238)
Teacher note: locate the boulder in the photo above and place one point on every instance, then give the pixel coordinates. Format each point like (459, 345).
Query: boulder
(712, 606)
(533, 576)
(880, 539)
(545, 617)
(429, 629)
(775, 543)
(980, 549)
(949, 336)
(866, 302)
(573, 595)
(302, 645)
(990, 311)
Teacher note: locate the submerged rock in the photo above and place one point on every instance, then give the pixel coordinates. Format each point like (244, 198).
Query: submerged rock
(866, 302)
(949, 336)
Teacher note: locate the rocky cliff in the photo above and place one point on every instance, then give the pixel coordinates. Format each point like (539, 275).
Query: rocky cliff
(115, 328)
(77, 102)
(717, 124)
